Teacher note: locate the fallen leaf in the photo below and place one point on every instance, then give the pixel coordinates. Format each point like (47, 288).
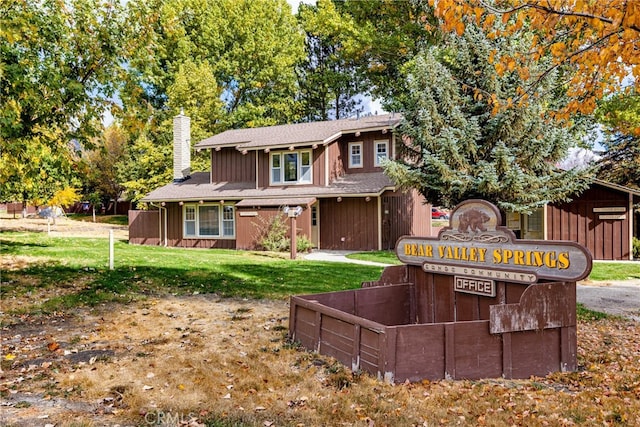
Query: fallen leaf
(147, 387)
(53, 346)
(9, 356)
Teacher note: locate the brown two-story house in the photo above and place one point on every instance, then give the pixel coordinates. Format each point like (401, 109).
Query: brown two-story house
(331, 170)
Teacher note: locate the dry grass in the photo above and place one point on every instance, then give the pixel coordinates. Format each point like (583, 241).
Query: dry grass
(202, 358)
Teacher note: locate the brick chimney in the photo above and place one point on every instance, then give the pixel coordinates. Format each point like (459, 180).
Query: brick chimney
(181, 147)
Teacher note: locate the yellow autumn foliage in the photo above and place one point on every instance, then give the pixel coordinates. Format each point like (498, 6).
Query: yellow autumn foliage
(601, 39)
(65, 197)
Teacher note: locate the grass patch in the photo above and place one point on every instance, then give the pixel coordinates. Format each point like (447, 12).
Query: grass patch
(585, 314)
(615, 270)
(385, 257)
(102, 219)
(75, 272)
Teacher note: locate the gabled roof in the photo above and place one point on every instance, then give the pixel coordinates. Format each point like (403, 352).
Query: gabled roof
(299, 134)
(199, 188)
(618, 187)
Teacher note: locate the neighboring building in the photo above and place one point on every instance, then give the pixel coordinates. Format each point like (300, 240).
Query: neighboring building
(331, 169)
(602, 219)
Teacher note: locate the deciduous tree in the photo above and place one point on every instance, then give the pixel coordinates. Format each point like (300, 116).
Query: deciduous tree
(58, 59)
(389, 34)
(102, 164)
(620, 116)
(599, 39)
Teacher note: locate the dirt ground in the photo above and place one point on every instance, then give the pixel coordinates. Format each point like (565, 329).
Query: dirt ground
(63, 227)
(129, 365)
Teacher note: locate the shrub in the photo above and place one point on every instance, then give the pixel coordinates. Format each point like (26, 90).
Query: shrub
(274, 236)
(636, 248)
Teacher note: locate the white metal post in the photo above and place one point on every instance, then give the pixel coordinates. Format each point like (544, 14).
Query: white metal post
(110, 249)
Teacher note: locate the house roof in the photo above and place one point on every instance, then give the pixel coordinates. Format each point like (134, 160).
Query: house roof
(199, 188)
(298, 134)
(634, 192)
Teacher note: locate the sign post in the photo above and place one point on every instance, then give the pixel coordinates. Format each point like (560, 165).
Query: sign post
(293, 213)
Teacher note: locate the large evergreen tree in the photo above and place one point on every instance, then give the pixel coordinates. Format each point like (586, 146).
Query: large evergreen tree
(328, 83)
(465, 137)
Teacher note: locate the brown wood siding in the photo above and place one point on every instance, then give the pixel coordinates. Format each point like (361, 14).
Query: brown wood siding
(336, 163)
(319, 172)
(607, 239)
(230, 165)
(251, 229)
(353, 219)
(144, 228)
(404, 213)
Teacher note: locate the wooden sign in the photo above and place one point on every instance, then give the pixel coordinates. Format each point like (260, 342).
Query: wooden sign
(475, 245)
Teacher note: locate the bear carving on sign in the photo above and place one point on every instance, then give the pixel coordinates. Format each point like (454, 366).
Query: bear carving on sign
(472, 221)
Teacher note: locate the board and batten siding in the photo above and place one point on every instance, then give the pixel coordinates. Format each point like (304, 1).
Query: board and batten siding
(607, 238)
(144, 227)
(351, 223)
(230, 165)
(404, 213)
(252, 223)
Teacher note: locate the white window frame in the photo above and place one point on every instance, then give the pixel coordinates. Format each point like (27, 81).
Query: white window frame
(304, 172)
(376, 157)
(352, 164)
(223, 220)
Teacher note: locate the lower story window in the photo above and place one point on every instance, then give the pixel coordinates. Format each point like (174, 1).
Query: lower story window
(209, 220)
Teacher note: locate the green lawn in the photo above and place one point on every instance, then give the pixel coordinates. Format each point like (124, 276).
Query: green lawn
(75, 271)
(79, 266)
(104, 219)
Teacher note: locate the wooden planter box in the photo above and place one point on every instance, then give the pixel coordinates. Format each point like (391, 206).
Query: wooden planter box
(412, 325)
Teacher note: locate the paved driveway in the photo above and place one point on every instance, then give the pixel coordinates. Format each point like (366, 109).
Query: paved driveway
(620, 298)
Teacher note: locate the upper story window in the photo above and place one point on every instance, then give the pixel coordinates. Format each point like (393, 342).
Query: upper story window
(381, 152)
(209, 220)
(291, 167)
(355, 155)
